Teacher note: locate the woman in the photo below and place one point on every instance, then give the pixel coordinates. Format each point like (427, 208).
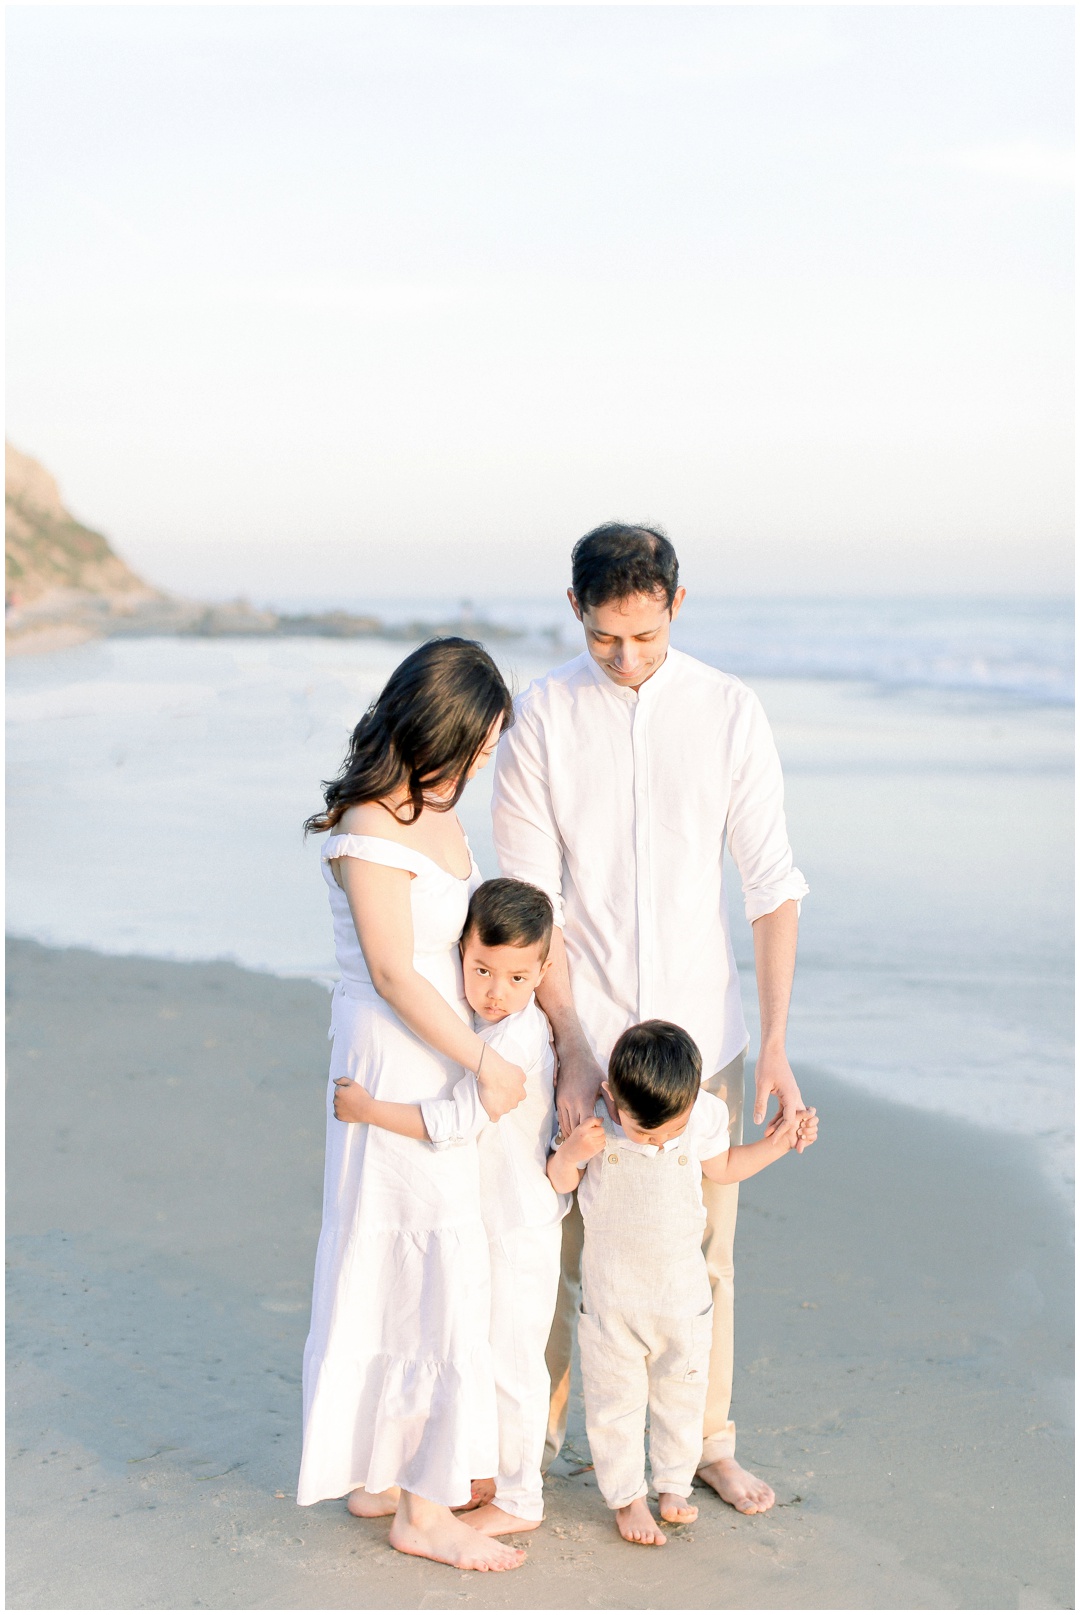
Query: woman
(399, 1399)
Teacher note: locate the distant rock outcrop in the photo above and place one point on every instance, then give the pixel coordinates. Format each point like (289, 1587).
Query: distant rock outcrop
(65, 584)
(47, 550)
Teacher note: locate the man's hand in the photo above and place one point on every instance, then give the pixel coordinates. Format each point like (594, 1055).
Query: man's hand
(775, 1076)
(350, 1100)
(577, 1087)
(501, 1086)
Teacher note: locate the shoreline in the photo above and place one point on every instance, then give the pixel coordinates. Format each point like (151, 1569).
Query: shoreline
(902, 1339)
(1054, 1154)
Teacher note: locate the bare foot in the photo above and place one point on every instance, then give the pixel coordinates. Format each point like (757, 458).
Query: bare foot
(369, 1505)
(676, 1510)
(482, 1491)
(494, 1521)
(430, 1531)
(636, 1524)
(737, 1486)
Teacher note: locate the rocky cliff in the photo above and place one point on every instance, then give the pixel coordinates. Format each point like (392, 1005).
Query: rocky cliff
(47, 550)
(65, 584)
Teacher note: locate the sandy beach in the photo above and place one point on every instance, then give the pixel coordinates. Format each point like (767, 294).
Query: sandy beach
(903, 1340)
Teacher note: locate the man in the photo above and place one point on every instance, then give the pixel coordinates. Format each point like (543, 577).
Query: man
(624, 776)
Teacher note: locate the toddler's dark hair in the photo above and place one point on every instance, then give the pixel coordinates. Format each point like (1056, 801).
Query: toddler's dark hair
(616, 561)
(510, 913)
(655, 1072)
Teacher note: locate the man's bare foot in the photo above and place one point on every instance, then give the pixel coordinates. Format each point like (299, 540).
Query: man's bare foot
(737, 1486)
(494, 1521)
(676, 1510)
(481, 1492)
(430, 1531)
(636, 1524)
(369, 1505)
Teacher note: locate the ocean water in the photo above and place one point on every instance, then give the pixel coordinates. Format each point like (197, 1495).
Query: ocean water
(157, 789)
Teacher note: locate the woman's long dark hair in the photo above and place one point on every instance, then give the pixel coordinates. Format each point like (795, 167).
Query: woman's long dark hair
(424, 732)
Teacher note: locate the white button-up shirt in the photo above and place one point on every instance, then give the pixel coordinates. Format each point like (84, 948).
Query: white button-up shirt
(618, 803)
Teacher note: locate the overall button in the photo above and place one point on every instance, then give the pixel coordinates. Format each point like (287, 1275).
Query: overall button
(682, 1160)
(613, 1160)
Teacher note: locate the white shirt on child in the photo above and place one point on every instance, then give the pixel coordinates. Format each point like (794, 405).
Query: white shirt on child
(515, 1190)
(706, 1134)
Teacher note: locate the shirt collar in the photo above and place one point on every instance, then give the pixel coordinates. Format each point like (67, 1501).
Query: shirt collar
(643, 1149)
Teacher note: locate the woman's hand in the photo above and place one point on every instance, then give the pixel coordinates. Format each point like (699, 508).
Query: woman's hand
(350, 1100)
(501, 1086)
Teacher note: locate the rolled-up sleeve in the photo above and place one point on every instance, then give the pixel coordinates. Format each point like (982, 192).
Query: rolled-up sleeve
(756, 826)
(527, 839)
(457, 1120)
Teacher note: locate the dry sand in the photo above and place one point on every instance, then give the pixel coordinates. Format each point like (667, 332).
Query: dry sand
(903, 1346)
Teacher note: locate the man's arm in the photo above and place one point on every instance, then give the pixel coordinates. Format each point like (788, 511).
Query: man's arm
(775, 940)
(579, 1077)
(773, 889)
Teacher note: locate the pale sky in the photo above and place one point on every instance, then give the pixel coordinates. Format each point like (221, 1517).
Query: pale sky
(307, 301)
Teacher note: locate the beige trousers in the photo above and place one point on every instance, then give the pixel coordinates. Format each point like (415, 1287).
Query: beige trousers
(721, 1209)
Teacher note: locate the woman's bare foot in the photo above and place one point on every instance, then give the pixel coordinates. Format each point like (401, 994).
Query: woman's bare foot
(482, 1491)
(676, 1510)
(496, 1522)
(430, 1531)
(737, 1486)
(369, 1505)
(636, 1524)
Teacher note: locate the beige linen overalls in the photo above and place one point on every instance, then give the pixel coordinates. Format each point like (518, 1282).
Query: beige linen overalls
(646, 1319)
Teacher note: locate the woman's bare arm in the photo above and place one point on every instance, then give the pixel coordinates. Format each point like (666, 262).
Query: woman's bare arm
(382, 914)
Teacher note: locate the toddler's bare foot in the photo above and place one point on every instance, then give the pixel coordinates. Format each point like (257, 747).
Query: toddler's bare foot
(636, 1524)
(676, 1510)
(494, 1521)
(369, 1505)
(737, 1486)
(430, 1531)
(481, 1492)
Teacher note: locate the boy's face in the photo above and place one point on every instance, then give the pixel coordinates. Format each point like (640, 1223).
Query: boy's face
(647, 1135)
(500, 981)
(628, 638)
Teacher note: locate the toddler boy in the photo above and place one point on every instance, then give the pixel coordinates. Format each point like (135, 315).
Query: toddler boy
(646, 1318)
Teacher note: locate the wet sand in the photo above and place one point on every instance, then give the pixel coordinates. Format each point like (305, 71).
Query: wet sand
(903, 1353)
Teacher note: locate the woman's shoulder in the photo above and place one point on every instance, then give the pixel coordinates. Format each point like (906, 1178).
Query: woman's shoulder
(371, 819)
(370, 832)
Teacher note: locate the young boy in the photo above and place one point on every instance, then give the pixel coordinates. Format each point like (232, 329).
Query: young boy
(646, 1321)
(504, 956)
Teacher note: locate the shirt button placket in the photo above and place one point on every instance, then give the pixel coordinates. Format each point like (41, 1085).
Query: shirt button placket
(644, 865)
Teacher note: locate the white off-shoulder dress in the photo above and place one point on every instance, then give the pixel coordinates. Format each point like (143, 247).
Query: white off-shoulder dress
(398, 1381)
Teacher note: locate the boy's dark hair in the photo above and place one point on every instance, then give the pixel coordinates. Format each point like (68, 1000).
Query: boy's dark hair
(510, 913)
(655, 1072)
(616, 561)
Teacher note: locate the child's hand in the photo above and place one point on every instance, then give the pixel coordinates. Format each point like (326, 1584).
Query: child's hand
(806, 1133)
(350, 1100)
(586, 1140)
(800, 1131)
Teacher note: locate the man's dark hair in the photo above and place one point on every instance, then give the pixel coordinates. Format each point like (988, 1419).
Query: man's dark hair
(510, 914)
(616, 561)
(655, 1072)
